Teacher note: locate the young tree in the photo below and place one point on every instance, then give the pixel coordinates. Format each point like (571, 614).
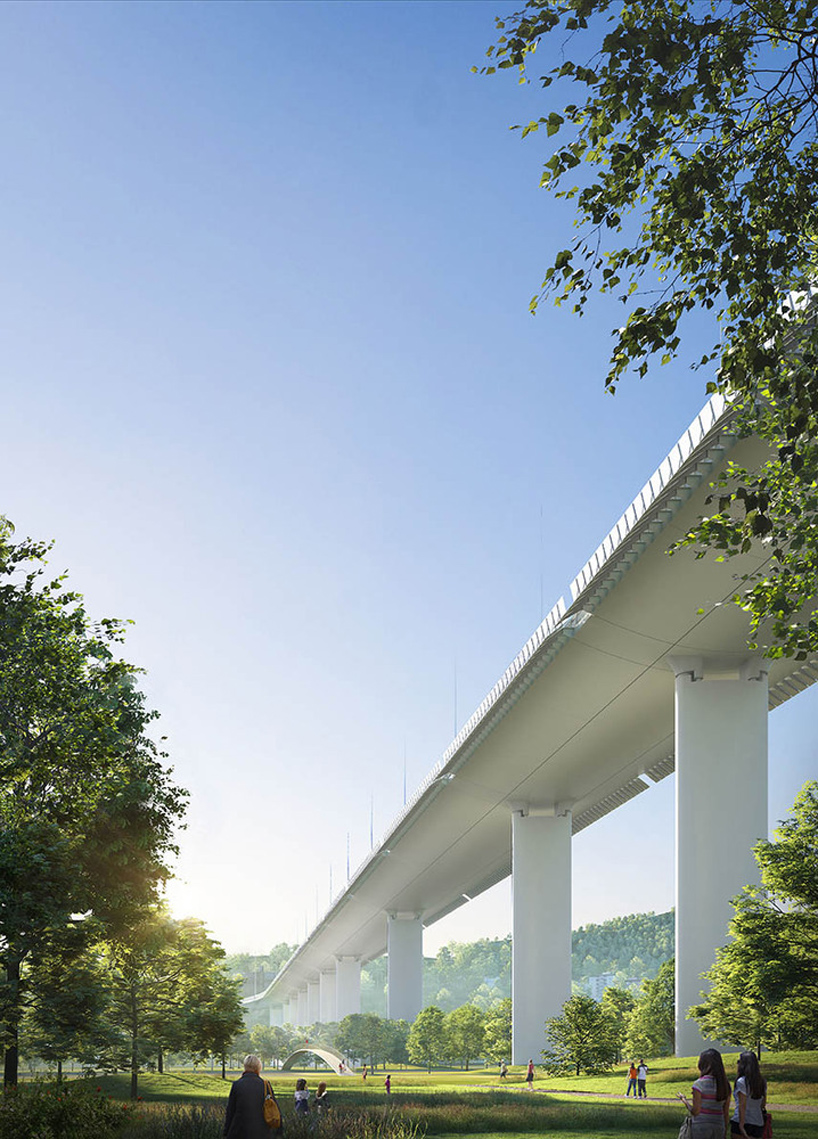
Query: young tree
(168, 991)
(214, 1015)
(427, 1043)
(396, 1035)
(497, 1032)
(686, 140)
(464, 1033)
(87, 811)
(764, 983)
(66, 1013)
(618, 1004)
(652, 1023)
(583, 1038)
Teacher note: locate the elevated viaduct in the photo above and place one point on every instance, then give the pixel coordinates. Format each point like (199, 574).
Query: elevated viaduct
(644, 671)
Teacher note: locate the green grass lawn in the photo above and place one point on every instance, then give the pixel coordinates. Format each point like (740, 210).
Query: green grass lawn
(792, 1079)
(458, 1103)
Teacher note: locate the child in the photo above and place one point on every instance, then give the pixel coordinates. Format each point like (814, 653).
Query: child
(302, 1097)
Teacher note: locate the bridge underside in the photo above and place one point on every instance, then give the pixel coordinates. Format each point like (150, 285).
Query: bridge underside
(584, 719)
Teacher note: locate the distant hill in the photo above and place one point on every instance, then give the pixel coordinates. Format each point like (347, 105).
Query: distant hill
(479, 972)
(632, 947)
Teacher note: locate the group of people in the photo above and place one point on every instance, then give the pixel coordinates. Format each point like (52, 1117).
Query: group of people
(244, 1118)
(245, 1104)
(302, 1097)
(638, 1080)
(709, 1104)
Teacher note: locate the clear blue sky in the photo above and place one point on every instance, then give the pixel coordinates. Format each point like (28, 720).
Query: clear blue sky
(271, 384)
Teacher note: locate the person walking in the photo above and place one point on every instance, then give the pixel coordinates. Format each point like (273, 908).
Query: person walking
(244, 1118)
(503, 1069)
(750, 1092)
(710, 1106)
(633, 1075)
(387, 1083)
(529, 1076)
(642, 1079)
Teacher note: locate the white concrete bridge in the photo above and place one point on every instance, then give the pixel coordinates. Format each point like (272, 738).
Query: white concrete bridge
(645, 670)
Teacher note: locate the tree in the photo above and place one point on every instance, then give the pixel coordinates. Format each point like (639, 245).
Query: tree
(464, 1033)
(764, 983)
(214, 1015)
(168, 991)
(66, 1013)
(271, 1042)
(582, 1038)
(363, 1035)
(652, 1023)
(618, 1004)
(427, 1037)
(87, 810)
(497, 1032)
(690, 129)
(396, 1035)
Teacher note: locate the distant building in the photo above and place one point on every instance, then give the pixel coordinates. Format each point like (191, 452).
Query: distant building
(598, 985)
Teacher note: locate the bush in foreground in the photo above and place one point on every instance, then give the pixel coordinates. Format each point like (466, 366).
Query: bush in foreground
(61, 1111)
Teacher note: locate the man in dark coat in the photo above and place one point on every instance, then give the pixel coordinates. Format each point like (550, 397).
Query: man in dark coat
(245, 1104)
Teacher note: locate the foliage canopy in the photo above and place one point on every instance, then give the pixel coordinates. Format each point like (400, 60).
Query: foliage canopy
(652, 1024)
(764, 984)
(87, 808)
(686, 141)
(583, 1038)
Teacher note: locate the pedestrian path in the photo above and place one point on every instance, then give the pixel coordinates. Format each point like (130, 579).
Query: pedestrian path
(774, 1106)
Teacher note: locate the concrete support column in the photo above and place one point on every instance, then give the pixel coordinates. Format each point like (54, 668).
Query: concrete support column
(347, 986)
(276, 1015)
(313, 1003)
(404, 947)
(541, 919)
(721, 812)
(288, 1011)
(326, 996)
(301, 1013)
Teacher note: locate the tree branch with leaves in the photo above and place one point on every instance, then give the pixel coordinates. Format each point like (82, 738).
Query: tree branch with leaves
(686, 138)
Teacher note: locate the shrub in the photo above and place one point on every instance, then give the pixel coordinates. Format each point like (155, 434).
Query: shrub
(60, 1111)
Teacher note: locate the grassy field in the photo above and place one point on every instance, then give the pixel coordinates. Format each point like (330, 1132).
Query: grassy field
(456, 1103)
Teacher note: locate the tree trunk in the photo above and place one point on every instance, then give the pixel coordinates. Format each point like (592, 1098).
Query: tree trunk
(160, 1062)
(134, 1047)
(224, 1066)
(12, 1057)
(59, 1071)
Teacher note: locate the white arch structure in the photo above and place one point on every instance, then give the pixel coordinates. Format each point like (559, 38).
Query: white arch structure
(644, 671)
(330, 1057)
